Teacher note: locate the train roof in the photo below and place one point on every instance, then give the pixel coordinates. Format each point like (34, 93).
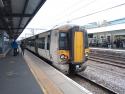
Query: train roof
(60, 28)
(67, 27)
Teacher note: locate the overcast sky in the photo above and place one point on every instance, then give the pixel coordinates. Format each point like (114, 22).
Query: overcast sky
(59, 12)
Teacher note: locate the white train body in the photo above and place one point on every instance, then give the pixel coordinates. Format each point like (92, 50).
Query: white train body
(54, 46)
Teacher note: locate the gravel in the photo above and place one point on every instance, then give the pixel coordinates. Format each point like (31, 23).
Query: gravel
(89, 86)
(107, 75)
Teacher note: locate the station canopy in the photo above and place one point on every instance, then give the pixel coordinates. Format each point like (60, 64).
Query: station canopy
(16, 14)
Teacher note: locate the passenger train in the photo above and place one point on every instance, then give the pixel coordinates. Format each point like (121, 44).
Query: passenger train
(66, 47)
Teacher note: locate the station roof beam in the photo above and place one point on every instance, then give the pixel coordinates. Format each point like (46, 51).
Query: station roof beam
(16, 14)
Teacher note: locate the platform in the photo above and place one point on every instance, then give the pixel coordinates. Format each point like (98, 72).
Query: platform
(2, 55)
(30, 75)
(16, 77)
(53, 81)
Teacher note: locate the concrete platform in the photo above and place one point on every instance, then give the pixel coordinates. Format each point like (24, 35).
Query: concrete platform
(51, 80)
(2, 55)
(30, 75)
(16, 77)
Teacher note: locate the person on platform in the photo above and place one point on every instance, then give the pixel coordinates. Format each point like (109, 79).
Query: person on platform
(23, 46)
(15, 47)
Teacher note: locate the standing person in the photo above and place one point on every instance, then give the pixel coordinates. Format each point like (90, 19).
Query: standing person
(22, 45)
(118, 43)
(15, 47)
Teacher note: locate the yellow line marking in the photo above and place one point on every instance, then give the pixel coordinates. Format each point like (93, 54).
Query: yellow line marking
(47, 86)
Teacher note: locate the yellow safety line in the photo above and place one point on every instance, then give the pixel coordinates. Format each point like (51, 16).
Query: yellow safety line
(46, 85)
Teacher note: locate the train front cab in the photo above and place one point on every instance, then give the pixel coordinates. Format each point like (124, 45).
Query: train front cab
(72, 44)
(77, 50)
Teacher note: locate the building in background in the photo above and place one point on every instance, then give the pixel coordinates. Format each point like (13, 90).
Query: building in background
(108, 34)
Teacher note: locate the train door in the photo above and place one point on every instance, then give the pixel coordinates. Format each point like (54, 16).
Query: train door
(36, 44)
(41, 48)
(32, 46)
(54, 47)
(48, 46)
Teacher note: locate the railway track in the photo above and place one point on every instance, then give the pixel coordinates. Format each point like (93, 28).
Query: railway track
(117, 57)
(104, 90)
(109, 70)
(108, 59)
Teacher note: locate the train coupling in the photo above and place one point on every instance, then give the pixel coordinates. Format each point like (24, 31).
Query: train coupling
(77, 67)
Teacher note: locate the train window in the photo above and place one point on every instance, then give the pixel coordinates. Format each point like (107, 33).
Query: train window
(63, 41)
(63, 35)
(90, 35)
(42, 43)
(86, 39)
(32, 42)
(48, 42)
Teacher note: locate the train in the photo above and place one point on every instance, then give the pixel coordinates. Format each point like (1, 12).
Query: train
(66, 47)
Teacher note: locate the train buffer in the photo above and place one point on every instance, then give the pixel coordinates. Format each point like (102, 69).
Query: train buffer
(30, 75)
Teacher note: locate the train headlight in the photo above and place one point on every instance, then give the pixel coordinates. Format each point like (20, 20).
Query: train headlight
(86, 54)
(66, 57)
(63, 57)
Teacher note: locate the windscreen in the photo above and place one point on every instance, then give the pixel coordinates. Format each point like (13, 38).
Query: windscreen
(63, 41)
(86, 39)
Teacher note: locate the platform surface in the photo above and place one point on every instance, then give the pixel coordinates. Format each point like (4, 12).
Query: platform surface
(28, 74)
(16, 77)
(53, 81)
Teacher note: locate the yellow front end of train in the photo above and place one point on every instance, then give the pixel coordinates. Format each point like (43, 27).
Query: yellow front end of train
(73, 48)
